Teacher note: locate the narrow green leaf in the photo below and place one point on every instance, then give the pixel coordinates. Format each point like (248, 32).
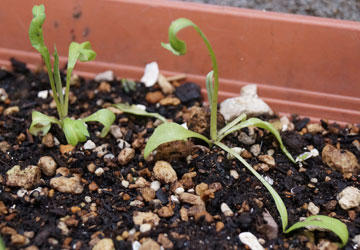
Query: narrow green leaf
(2, 244)
(168, 132)
(105, 117)
(231, 124)
(75, 131)
(135, 110)
(210, 85)
(57, 78)
(41, 123)
(325, 222)
(260, 124)
(278, 201)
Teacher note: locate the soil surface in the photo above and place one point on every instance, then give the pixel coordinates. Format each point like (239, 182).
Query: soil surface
(339, 9)
(182, 214)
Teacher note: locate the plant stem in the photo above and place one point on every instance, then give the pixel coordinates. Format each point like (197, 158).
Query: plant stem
(67, 90)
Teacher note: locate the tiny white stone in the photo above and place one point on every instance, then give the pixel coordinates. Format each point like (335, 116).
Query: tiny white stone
(250, 240)
(145, 227)
(56, 141)
(191, 190)
(184, 125)
(314, 180)
(174, 199)
(123, 144)
(108, 157)
(155, 185)
(89, 145)
(226, 210)
(269, 180)
(136, 245)
(21, 192)
(179, 190)
(87, 199)
(237, 150)
(151, 74)
(349, 198)
(132, 231)
(43, 94)
(125, 183)
(313, 209)
(234, 174)
(99, 171)
(105, 76)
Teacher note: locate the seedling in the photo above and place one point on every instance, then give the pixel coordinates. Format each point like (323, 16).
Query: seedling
(75, 130)
(170, 131)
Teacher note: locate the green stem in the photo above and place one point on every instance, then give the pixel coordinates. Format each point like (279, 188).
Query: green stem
(67, 90)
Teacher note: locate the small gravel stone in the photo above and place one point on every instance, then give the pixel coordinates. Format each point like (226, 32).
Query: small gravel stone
(269, 160)
(104, 87)
(179, 190)
(93, 187)
(47, 165)
(89, 145)
(166, 212)
(164, 172)
(105, 76)
(116, 132)
(125, 183)
(63, 171)
(11, 110)
(19, 240)
(3, 95)
(147, 193)
(43, 94)
(226, 210)
(26, 178)
(154, 97)
(150, 244)
(234, 174)
(349, 198)
(219, 226)
(164, 241)
(101, 150)
(247, 139)
(170, 101)
(48, 140)
(188, 92)
(192, 199)
(162, 196)
(151, 74)
(313, 209)
(104, 244)
(4, 146)
(165, 85)
(250, 240)
(123, 144)
(99, 171)
(155, 185)
(67, 185)
(314, 128)
(145, 227)
(126, 155)
(255, 149)
(140, 218)
(340, 160)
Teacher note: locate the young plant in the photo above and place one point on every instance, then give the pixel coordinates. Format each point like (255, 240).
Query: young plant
(169, 131)
(75, 130)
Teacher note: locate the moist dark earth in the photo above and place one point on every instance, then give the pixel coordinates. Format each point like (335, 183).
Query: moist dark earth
(339, 9)
(110, 211)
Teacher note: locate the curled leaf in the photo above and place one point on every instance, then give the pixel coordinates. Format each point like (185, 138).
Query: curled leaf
(325, 222)
(75, 131)
(168, 132)
(135, 110)
(41, 123)
(35, 29)
(105, 117)
(81, 52)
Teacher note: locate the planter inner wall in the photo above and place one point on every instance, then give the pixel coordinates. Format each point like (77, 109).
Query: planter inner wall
(303, 65)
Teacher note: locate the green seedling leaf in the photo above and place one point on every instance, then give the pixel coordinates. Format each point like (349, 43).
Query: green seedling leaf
(105, 117)
(57, 78)
(35, 29)
(135, 110)
(324, 222)
(168, 132)
(2, 244)
(41, 123)
(210, 85)
(231, 124)
(75, 131)
(260, 124)
(278, 201)
(178, 47)
(128, 85)
(81, 52)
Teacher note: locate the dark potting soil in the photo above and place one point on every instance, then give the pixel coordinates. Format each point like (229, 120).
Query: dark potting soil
(110, 211)
(339, 9)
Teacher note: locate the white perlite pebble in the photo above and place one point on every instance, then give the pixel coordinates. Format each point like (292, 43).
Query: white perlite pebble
(247, 103)
(226, 210)
(151, 74)
(234, 174)
(87, 199)
(105, 76)
(179, 190)
(313, 209)
(125, 183)
(99, 171)
(89, 145)
(155, 185)
(145, 227)
(3, 95)
(250, 240)
(136, 245)
(116, 131)
(349, 198)
(43, 94)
